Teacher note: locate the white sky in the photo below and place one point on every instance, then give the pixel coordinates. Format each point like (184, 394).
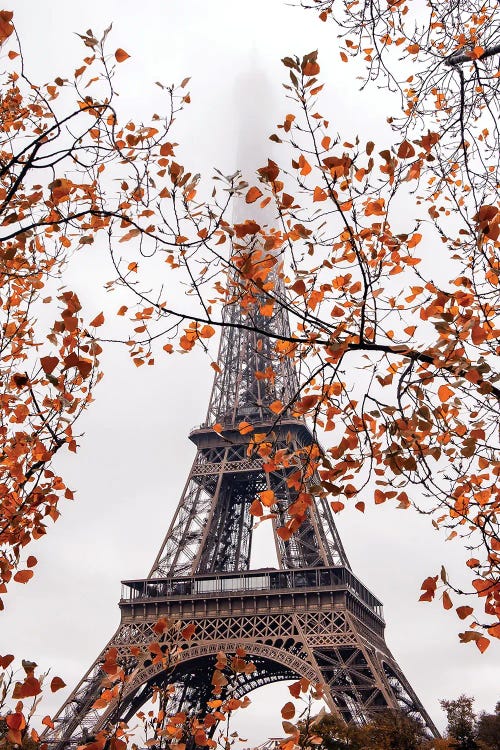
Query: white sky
(135, 455)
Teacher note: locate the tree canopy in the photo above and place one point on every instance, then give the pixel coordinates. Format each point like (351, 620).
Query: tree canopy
(385, 256)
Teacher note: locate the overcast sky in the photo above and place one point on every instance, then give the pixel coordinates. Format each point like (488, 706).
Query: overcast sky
(135, 454)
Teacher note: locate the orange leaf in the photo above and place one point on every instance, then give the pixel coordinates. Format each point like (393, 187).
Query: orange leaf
(98, 320)
(482, 644)
(304, 165)
(288, 710)
(413, 242)
(305, 404)
(253, 194)
(311, 69)
(31, 561)
(495, 630)
(207, 332)
(15, 721)
(319, 194)
(244, 428)
(23, 576)
(464, 611)
(478, 335)
(256, 508)
(188, 631)
(276, 407)
(483, 587)
(121, 55)
(445, 393)
(267, 498)
(447, 603)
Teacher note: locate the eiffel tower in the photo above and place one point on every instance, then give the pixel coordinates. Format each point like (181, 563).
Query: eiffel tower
(309, 617)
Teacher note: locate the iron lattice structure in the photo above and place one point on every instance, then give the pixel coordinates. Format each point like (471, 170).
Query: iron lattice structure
(310, 618)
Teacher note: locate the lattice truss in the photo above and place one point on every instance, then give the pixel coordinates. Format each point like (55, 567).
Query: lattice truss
(253, 374)
(359, 677)
(212, 527)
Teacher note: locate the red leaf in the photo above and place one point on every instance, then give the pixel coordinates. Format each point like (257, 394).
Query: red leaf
(6, 660)
(406, 150)
(49, 364)
(57, 684)
(16, 721)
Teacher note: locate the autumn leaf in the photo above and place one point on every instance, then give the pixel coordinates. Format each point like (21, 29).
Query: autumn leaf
(6, 25)
(56, 684)
(464, 611)
(406, 150)
(447, 603)
(445, 393)
(23, 576)
(319, 194)
(6, 660)
(121, 55)
(98, 320)
(253, 194)
(188, 631)
(288, 711)
(256, 508)
(267, 498)
(429, 588)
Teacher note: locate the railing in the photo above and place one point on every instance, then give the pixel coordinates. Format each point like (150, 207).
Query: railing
(271, 580)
